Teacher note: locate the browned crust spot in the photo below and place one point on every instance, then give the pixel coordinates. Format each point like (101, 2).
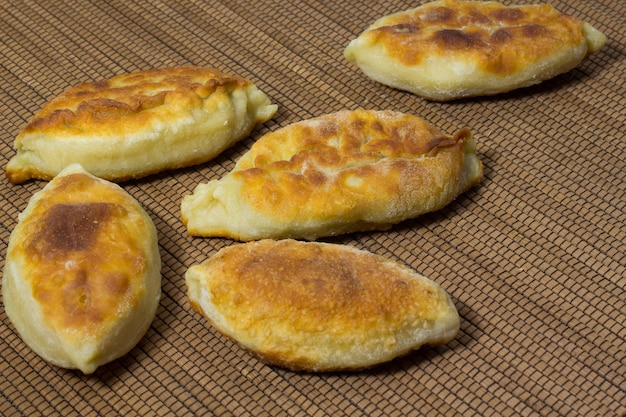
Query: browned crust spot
(84, 262)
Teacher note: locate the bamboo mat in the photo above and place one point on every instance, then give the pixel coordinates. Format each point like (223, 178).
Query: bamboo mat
(533, 257)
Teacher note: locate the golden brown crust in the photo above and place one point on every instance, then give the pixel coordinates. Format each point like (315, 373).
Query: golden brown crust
(449, 49)
(90, 239)
(121, 102)
(332, 164)
(319, 307)
(138, 124)
(81, 263)
(497, 38)
(347, 171)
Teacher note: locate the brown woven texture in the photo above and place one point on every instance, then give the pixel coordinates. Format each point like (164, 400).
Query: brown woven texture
(533, 258)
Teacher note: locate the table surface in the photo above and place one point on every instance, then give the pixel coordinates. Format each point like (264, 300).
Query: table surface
(533, 257)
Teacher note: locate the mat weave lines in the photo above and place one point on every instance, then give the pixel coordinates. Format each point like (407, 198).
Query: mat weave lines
(534, 258)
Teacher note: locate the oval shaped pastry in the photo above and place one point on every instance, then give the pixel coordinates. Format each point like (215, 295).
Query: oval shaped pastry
(319, 306)
(344, 172)
(82, 278)
(137, 124)
(445, 50)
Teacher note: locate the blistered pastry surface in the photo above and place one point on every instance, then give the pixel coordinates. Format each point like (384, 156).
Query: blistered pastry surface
(496, 38)
(129, 102)
(328, 166)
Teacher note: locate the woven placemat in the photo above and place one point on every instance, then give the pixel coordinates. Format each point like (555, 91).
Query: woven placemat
(533, 257)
